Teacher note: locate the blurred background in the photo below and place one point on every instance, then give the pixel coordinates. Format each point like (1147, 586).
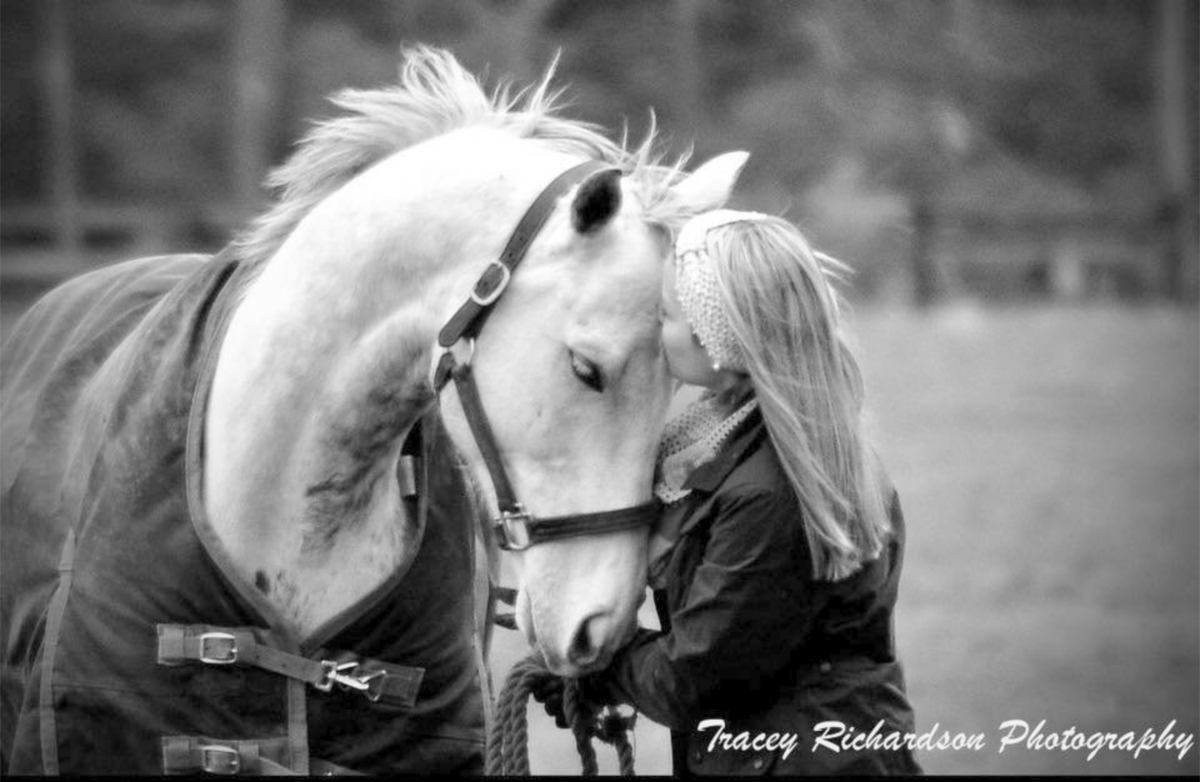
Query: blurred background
(1014, 183)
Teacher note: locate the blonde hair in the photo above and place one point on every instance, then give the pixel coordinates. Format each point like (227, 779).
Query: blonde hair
(787, 317)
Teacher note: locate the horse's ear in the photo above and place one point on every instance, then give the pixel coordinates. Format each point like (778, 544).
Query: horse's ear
(711, 184)
(596, 201)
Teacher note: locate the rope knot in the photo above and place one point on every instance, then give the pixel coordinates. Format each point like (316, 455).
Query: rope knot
(508, 750)
(614, 725)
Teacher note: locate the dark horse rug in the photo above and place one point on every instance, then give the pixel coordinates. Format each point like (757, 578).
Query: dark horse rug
(129, 644)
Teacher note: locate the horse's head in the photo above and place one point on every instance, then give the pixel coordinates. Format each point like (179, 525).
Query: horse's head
(389, 219)
(572, 382)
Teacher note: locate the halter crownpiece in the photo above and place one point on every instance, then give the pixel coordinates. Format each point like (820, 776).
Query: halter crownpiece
(515, 528)
(696, 284)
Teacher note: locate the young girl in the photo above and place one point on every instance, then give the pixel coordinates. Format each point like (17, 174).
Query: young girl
(777, 562)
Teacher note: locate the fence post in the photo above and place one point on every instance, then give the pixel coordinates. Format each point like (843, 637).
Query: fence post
(258, 39)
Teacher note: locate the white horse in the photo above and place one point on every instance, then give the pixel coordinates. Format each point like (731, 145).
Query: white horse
(324, 361)
(389, 216)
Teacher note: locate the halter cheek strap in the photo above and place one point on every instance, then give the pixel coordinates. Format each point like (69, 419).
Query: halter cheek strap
(516, 529)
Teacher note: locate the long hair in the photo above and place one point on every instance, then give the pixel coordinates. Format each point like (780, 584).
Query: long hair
(786, 315)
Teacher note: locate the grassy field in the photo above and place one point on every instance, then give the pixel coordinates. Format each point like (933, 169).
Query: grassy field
(1048, 461)
(1048, 464)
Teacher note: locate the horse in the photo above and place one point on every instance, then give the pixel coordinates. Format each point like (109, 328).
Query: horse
(242, 494)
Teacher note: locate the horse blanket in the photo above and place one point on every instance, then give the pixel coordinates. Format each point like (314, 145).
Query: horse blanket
(120, 612)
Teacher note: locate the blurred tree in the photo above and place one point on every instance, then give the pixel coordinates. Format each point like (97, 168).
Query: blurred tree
(152, 92)
(58, 74)
(1175, 71)
(257, 49)
(619, 59)
(687, 67)
(24, 118)
(930, 93)
(509, 35)
(928, 99)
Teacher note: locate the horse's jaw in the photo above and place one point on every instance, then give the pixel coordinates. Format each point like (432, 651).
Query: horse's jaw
(578, 597)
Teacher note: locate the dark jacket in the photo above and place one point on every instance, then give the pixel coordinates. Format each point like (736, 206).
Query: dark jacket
(753, 639)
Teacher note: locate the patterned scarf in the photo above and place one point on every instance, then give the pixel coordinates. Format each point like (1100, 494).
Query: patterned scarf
(691, 439)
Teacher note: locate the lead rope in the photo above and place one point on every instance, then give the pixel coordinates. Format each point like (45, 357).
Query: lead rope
(508, 744)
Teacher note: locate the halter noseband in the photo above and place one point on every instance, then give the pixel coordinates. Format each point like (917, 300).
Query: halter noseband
(516, 529)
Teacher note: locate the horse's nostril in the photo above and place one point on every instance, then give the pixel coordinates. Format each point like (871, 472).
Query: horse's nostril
(587, 645)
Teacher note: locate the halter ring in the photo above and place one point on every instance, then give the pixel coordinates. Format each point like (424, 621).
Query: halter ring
(512, 529)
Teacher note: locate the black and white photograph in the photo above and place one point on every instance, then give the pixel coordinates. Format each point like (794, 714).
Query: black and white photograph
(658, 388)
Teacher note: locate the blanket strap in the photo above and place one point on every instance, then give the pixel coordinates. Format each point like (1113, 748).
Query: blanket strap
(237, 646)
(227, 757)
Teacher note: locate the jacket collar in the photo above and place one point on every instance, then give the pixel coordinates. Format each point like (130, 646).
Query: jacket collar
(708, 476)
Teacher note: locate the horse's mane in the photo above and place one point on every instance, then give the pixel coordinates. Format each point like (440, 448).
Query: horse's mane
(436, 95)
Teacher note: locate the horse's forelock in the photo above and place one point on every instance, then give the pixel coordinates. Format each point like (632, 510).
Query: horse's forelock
(436, 95)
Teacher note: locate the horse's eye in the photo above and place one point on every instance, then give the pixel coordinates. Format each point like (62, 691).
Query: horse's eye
(587, 372)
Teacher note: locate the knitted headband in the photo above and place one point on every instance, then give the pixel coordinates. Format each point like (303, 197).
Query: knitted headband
(696, 283)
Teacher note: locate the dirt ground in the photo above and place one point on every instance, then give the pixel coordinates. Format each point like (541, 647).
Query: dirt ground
(1048, 460)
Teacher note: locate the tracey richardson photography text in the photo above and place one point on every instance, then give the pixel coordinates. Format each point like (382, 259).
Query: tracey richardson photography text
(833, 736)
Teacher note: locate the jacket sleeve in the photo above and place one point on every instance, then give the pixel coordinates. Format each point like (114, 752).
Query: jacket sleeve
(746, 612)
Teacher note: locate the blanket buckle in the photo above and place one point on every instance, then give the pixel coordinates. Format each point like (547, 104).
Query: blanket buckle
(339, 673)
(219, 759)
(226, 651)
(346, 675)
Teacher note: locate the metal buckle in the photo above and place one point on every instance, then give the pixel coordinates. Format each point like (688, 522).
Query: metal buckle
(329, 676)
(344, 675)
(512, 530)
(491, 288)
(231, 654)
(470, 345)
(220, 759)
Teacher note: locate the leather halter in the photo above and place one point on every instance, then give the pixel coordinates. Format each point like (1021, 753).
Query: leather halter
(516, 529)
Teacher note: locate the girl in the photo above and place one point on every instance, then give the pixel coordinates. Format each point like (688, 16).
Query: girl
(777, 562)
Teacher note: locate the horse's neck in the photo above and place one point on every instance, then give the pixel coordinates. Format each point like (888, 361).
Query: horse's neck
(324, 367)
(303, 433)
